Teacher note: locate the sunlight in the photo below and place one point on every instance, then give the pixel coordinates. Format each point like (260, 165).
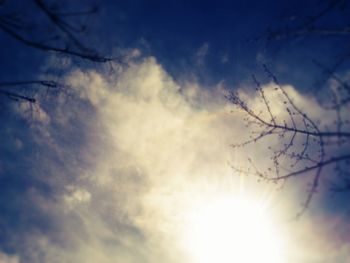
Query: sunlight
(229, 230)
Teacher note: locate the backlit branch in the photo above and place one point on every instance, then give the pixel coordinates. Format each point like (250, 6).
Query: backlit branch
(304, 146)
(16, 90)
(65, 33)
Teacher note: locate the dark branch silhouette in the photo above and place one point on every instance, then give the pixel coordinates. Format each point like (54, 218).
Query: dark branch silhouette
(305, 146)
(309, 25)
(70, 43)
(64, 39)
(10, 89)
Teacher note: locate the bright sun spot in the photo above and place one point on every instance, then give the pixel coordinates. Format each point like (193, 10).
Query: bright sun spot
(230, 230)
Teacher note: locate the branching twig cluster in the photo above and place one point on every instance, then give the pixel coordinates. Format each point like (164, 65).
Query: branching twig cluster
(64, 39)
(60, 33)
(305, 147)
(17, 90)
(310, 25)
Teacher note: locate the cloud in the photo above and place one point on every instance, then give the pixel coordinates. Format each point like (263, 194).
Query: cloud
(201, 54)
(326, 238)
(8, 259)
(225, 58)
(158, 139)
(123, 163)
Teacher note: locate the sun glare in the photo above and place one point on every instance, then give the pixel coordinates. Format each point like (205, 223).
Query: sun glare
(228, 230)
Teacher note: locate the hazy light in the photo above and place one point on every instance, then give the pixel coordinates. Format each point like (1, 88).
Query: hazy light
(228, 230)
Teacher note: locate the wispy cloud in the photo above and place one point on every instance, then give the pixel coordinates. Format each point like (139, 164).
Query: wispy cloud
(4, 258)
(121, 165)
(201, 54)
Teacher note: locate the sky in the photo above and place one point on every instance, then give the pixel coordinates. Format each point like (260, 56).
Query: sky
(132, 160)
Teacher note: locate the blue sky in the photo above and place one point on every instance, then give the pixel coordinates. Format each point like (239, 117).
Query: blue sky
(109, 167)
(174, 32)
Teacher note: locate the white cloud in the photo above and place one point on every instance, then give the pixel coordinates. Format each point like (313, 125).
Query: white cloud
(76, 196)
(225, 58)
(32, 112)
(153, 150)
(4, 258)
(201, 54)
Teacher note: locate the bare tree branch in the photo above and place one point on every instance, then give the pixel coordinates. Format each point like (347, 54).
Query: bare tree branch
(304, 145)
(71, 45)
